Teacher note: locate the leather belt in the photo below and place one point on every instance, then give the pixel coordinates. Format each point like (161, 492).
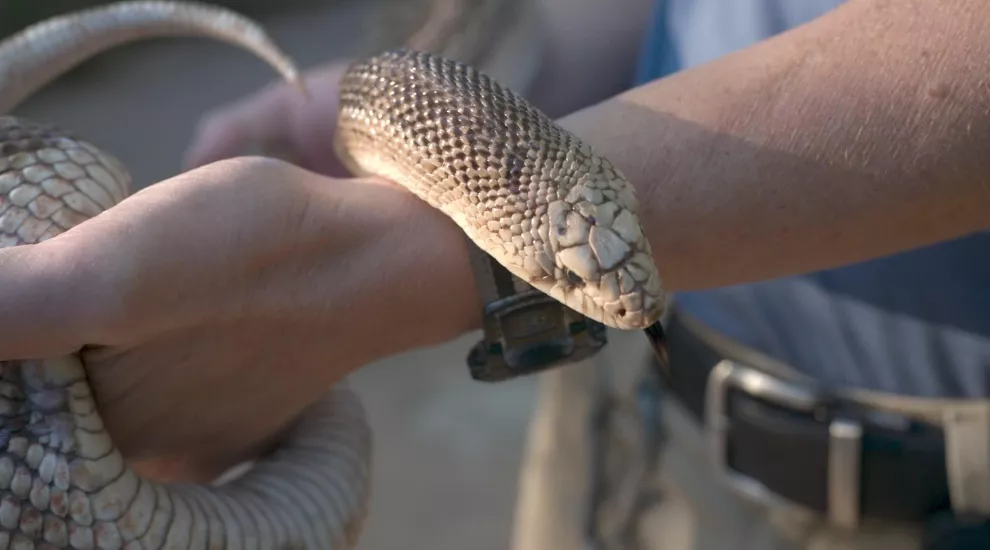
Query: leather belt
(781, 439)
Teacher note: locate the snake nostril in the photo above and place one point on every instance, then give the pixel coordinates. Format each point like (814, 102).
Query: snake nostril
(621, 312)
(572, 277)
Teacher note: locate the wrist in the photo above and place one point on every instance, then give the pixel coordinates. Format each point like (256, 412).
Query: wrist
(427, 291)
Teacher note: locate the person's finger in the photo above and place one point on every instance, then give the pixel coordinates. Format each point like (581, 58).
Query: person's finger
(255, 124)
(277, 122)
(315, 123)
(50, 299)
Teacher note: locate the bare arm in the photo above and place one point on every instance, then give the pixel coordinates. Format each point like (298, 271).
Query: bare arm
(861, 134)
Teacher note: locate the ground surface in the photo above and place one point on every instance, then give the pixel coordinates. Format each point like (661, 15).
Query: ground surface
(447, 449)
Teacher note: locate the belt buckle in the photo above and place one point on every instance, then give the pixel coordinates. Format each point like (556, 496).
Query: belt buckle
(845, 438)
(531, 332)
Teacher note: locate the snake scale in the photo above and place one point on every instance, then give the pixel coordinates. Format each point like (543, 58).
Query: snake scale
(536, 198)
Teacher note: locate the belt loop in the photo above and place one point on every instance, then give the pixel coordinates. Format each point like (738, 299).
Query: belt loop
(967, 458)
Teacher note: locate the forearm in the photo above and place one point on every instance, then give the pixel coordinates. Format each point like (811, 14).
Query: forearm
(590, 51)
(859, 135)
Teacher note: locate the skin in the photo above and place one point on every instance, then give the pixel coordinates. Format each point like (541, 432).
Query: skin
(230, 318)
(858, 135)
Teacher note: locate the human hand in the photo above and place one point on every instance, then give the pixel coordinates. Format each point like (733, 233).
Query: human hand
(218, 304)
(276, 121)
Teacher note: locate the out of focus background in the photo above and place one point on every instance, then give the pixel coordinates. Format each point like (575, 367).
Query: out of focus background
(447, 450)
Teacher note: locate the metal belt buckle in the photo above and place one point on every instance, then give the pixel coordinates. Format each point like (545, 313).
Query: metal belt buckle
(531, 332)
(845, 438)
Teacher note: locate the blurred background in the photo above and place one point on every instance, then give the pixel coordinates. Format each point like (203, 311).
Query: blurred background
(447, 450)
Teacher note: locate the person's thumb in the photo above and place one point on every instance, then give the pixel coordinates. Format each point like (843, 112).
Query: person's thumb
(51, 301)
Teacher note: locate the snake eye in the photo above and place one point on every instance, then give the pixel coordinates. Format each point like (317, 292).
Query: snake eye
(572, 277)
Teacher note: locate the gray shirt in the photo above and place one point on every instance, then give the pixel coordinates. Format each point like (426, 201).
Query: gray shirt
(916, 323)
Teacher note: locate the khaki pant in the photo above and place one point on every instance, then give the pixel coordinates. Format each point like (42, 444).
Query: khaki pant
(687, 506)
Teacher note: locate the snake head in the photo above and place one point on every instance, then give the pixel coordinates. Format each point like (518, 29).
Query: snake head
(597, 257)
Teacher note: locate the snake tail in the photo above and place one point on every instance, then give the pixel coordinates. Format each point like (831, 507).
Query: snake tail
(46, 50)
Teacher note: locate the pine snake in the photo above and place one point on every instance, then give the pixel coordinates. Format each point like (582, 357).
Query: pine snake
(535, 197)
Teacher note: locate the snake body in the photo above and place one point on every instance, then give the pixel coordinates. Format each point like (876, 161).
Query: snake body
(523, 190)
(533, 196)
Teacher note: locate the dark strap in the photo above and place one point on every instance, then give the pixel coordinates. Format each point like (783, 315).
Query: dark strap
(525, 331)
(902, 471)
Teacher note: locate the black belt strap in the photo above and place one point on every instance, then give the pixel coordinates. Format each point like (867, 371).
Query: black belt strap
(786, 449)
